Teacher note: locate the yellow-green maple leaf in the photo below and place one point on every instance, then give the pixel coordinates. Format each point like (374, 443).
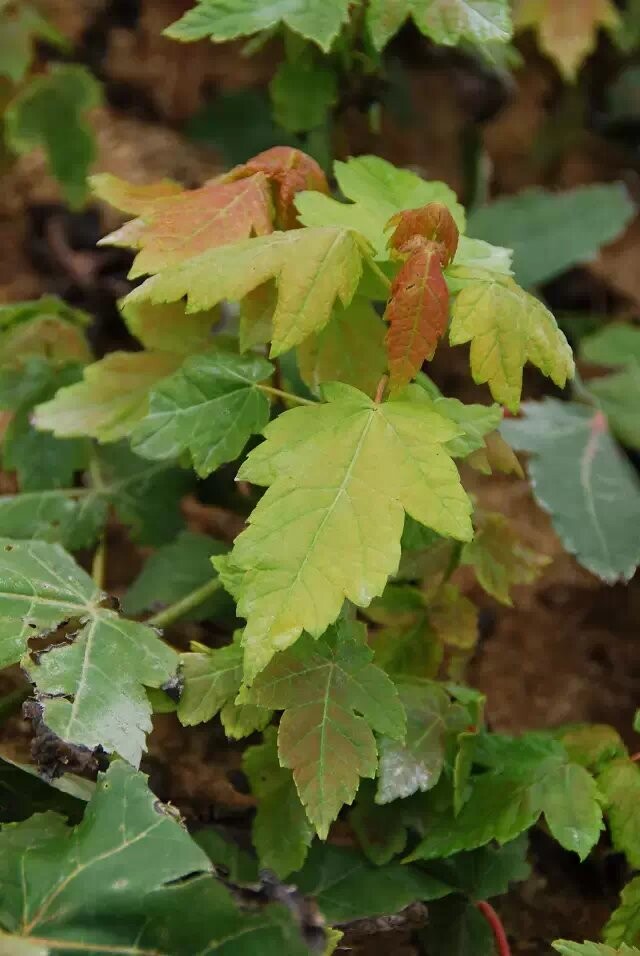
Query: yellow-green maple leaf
(312, 268)
(567, 29)
(508, 327)
(341, 476)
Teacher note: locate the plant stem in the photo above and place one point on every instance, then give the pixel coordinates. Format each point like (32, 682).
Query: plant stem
(497, 928)
(185, 604)
(386, 281)
(382, 384)
(99, 566)
(288, 396)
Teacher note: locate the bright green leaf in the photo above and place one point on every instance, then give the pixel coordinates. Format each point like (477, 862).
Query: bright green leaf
(592, 949)
(341, 476)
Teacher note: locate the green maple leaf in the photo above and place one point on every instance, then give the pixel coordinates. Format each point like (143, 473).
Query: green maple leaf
(377, 190)
(415, 763)
(312, 268)
(581, 478)
(211, 684)
(174, 571)
(528, 777)
(624, 924)
(446, 21)
(486, 872)
(620, 784)
(341, 476)
(85, 701)
(567, 948)
(302, 93)
(507, 327)
(349, 349)
(50, 112)
(347, 887)
(111, 399)
(19, 30)
(210, 407)
(123, 880)
(381, 830)
(316, 20)
(281, 832)
(67, 516)
(320, 686)
(457, 928)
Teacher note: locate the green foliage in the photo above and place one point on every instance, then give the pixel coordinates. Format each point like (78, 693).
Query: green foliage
(551, 232)
(124, 877)
(566, 948)
(51, 112)
(617, 394)
(583, 480)
(20, 28)
(624, 924)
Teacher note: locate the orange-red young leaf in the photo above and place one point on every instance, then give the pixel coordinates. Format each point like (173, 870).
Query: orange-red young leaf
(172, 229)
(291, 171)
(432, 222)
(417, 312)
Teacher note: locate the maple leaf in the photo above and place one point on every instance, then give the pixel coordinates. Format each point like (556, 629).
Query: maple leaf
(498, 557)
(349, 349)
(378, 191)
(624, 923)
(321, 685)
(210, 407)
(168, 328)
(312, 268)
(567, 948)
(445, 21)
(290, 171)
(176, 228)
(496, 455)
(84, 700)
(316, 20)
(567, 31)
(508, 327)
(134, 198)
(619, 782)
(433, 223)
(112, 398)
(341, 476)
(281, 832)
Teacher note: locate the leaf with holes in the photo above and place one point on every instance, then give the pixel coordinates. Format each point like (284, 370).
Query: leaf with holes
(341, 476)
(323, 687)
(582, 479)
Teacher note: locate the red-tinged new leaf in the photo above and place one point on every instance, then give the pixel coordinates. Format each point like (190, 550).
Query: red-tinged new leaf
(417, 312)
(433, 223)
(177, 228)
(290, 171)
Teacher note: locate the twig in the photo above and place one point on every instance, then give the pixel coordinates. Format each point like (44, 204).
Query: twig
(185, 604)
(287, 396)
(382, 384)
(99, 565)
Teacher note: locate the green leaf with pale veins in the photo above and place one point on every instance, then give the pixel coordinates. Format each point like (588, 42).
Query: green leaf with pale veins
(349, 349)
(582, 479)
(624, 924)
(415, 763)
(445, 21)
(507, 328)
(122, 881)
(211, 684)
(567, 948)
(347, 887)
(50, 111)
(281, 832)
(377, 190)
(210, 407)
(619, 782)
(313, 268)
(112, 398)
(91, 689)
(341, 476)
(323, 687)
(550, 232)
(174, 571)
